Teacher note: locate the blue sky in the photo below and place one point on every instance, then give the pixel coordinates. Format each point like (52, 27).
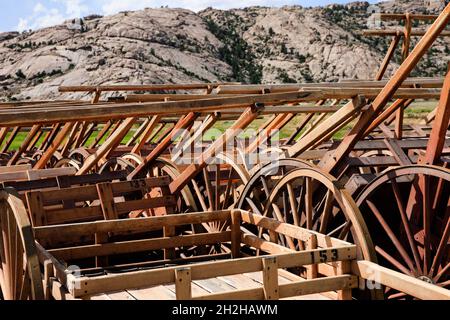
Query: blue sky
(32, 14)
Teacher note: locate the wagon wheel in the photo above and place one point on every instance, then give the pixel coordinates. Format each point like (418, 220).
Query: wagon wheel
(116, 164)
(258, 188)
(220, 184)
(164, 167)
(67, 163)
(37, 155)
(20, 276)
(269, 155)
(374, 153)
(133, 158)
(217, 187)
(314, 200)
(79, 154)
(5, 156)
(26, 160)
(407, 210)
(54, 160)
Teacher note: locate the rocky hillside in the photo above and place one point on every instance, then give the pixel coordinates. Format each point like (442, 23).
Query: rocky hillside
(256, 44)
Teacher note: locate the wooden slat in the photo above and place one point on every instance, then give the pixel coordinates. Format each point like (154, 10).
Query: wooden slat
(115, 248)
(399, 281)
(289, 290)
(290, 230)
(128, 225)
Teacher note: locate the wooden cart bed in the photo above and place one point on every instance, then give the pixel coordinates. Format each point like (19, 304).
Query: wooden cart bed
(248, 268)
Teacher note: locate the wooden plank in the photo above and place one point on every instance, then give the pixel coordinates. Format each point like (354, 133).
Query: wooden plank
(183, 284)
(115, 248)
(36, 208)
(270, 278)
(318, 285)
(154, 293)
(345, 268)
(16, 168)
(240, 281)
(399, 281)
(263, 245)
(397, 152)
(214, 285)
(106, 197)
(312, 271)
(235, 234)
(87, 193)
(146, 87)
(53, 233)
(288, 290)
(290, 230)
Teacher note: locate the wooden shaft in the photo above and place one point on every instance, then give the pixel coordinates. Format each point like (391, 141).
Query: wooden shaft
(146, 134)
(138, 132)
(207, 124)
(387, 32)
(404, 16)
(54, 146)
(347, 144)
(407, 36)
(182, 124)
(110, 144)
(101, 134)
(70, 139)
(192, 170)
(50, 136)
(11, 138)
(151, 87)
(23, 147)
(438, 132)
(324, 128)
(400, 103)
(388, 58)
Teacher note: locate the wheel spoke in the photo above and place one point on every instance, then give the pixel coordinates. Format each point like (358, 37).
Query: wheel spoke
(293, 204)
(393, 261)
(265, 187)
(280, 218)
(441, 248)
(406, 224)
(341, 227)
(444, 284)
(326, 213)
(390, 234)
(308, 203)
(228, 188)
(253, 206)
(442, 272)
(425, 188)
(199, 196)
(217, 189)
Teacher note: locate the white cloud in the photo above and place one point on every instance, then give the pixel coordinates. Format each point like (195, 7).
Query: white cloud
(74, 8)
(43, 16)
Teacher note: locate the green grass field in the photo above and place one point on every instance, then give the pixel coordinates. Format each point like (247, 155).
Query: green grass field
(416, 113)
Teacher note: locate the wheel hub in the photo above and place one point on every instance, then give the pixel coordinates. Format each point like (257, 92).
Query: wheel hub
(425, 279)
